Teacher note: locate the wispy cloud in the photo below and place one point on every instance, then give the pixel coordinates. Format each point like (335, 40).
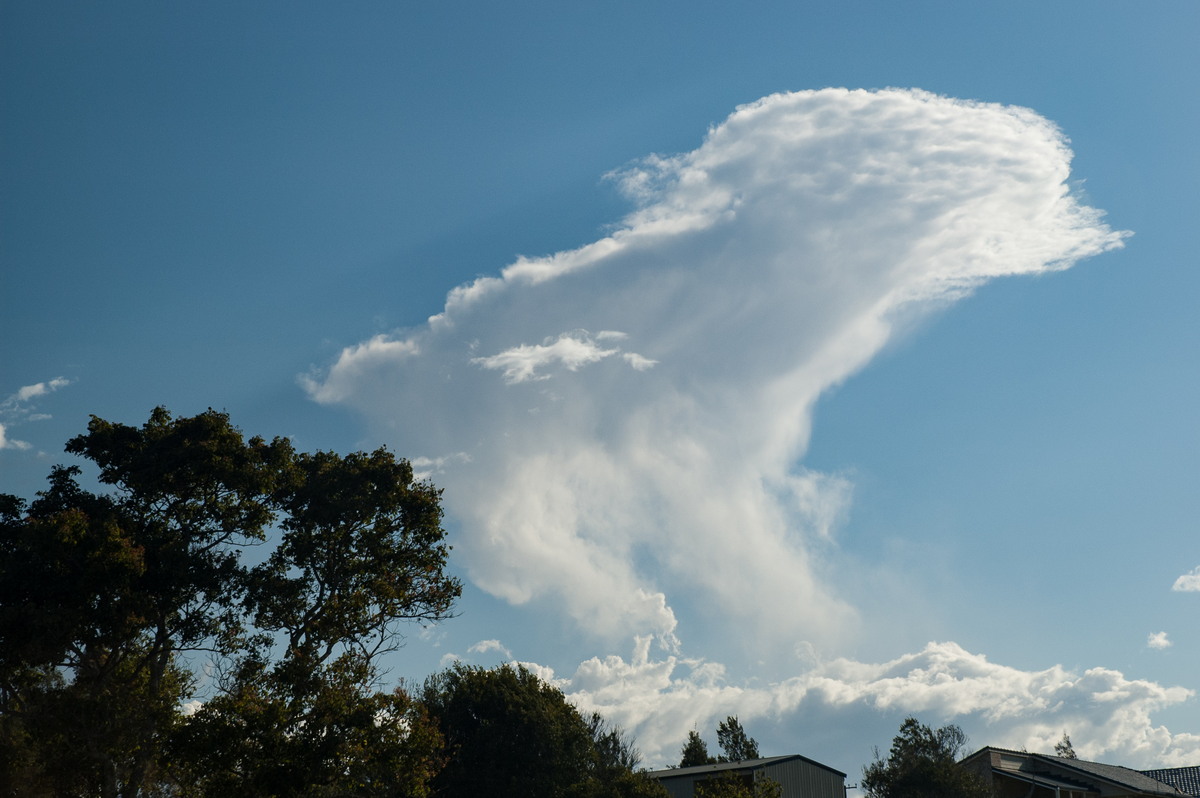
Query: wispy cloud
(754, 273)
(27, 393)
(571, 350)
(18, 407)
(39, 389)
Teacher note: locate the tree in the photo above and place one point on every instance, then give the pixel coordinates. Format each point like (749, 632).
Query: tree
(508, 733)
(107, 600)
(735, 785)
(736, 745)
(613, 772)
(695, 751)
(1064, 748)
(923, 763)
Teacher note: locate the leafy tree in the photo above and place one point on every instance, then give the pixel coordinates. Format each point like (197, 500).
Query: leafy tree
(734, 785)
(508, 733)
(736, 745)
(613, 770)
(1064, 748)
(107, 599)
(923, 763)
(614, 749)
(695, 751)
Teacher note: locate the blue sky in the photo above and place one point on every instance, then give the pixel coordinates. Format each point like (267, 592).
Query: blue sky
(807, 421)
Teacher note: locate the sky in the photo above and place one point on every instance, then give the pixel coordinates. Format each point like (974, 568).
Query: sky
(820, 364)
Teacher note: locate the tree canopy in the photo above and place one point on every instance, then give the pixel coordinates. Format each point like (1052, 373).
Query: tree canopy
(923, 763)
(211, 623)
(1064, 748)
(110, 601)
(735, 745)
(695, 751)
(508, 733)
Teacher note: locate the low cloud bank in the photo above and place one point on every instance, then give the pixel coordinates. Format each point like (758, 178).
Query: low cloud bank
(1109, 716)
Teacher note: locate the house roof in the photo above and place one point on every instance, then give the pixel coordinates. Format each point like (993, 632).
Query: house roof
(745, 764)
(1046, 780)
(1186, 780)
(1083, 770)
(1115, 773)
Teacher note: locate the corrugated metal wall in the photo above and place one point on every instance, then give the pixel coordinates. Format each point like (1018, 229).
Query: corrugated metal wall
(801, 779)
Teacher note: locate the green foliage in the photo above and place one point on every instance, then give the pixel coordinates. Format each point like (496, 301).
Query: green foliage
(508, 733)
(923, 763)
(735, 785)
(336, 739)
(736, 745)
(695, 751)
(1064, 748)
(104, 597)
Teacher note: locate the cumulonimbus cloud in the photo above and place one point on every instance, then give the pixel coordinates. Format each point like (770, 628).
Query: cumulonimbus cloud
(622, 474)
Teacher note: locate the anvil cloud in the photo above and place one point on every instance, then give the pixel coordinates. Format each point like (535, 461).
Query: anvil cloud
(622, 425)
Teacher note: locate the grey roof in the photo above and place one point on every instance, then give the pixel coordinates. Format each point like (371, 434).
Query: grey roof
(1135, 780)
(745, 764)
(1186, 780)
(1044, 779)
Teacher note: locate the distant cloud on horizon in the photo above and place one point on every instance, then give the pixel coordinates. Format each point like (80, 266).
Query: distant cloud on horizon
(1108, 714)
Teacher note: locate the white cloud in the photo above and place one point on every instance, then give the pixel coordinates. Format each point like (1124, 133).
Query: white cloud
(572, 350)
(1189, 582)
(426, 467)
(1158, 640)
(39, 389)
(755, 272)
(15, 408)
(9, 443)
(638, 362)
(484, 646)
(1110, 716)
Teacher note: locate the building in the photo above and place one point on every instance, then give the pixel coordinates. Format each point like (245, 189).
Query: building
(1018, 774)
(800, 777)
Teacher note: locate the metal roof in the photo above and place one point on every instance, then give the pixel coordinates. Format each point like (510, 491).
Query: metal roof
(1115, 773)
(1186, 780)
(745, 764)
(1134, 780)
(1043, 780)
